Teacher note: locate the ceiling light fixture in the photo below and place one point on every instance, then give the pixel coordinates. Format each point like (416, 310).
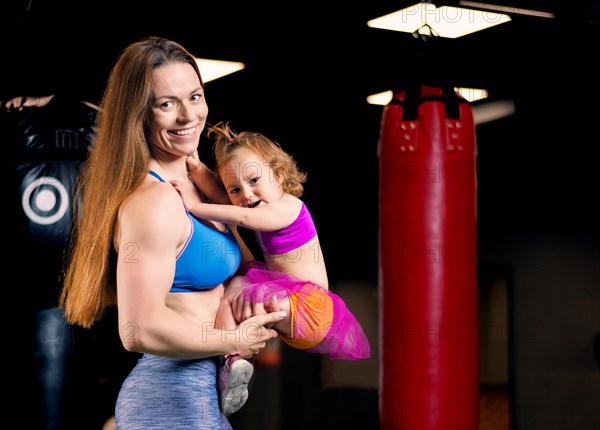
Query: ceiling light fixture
(424, 20)
(215, 69)
(492, 111)
(507, 9)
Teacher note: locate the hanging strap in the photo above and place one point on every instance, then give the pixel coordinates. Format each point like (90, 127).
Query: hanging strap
(412, 100)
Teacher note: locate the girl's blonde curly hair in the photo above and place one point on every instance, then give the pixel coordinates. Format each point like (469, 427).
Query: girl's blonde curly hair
(226, 142)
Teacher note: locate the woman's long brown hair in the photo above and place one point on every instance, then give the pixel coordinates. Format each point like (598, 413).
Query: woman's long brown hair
(115, 168)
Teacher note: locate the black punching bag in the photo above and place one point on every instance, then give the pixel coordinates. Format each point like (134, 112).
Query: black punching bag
(44, 147)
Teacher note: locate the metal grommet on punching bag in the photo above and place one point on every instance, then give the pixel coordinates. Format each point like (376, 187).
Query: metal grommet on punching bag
(429, 361)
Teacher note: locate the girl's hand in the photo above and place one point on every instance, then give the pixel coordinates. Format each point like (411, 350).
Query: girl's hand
(193, 162)
(188, 192)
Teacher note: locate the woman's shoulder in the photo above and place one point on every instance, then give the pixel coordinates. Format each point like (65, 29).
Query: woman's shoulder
(153, 215)
(153, 202)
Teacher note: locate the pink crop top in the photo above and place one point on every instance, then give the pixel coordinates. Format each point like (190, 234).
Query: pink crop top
(291, 237)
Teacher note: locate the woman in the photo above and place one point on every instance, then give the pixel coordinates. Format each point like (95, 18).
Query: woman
(135, 245)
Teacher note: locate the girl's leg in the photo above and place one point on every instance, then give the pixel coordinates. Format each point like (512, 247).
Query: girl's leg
(225, 319)
(285, 325)
(235, 373)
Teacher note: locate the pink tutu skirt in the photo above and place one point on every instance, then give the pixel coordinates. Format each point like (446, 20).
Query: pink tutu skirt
(321, 321)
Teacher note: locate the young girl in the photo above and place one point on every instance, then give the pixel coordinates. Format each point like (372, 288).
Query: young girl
(264, 184)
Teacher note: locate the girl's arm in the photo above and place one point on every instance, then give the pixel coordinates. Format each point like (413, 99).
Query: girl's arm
(270, 217)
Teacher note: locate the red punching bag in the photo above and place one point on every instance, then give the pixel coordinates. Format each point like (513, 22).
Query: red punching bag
(429, 361)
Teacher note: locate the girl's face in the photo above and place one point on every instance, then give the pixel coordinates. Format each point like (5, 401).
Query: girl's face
(249, 180)
(179, 110)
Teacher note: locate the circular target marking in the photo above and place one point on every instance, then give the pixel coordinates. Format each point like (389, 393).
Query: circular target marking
(49, 193)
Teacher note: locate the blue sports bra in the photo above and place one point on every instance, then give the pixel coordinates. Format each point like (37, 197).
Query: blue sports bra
(208, 257)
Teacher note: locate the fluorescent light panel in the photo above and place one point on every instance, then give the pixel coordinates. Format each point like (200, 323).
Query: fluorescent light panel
(445, 21)
(472, 94)
(381, 99)
(215, 69)
(491, 111)
(507, 9)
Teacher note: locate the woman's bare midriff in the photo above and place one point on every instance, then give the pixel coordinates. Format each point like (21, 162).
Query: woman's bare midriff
(200, 307)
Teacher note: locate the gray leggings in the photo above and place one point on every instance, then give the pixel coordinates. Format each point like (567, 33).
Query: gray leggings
(167, 394)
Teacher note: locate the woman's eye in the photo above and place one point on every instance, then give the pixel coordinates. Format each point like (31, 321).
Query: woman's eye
(166, 105)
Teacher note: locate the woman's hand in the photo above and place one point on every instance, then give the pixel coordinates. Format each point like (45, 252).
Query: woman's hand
(244, 309)
(252, 334)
